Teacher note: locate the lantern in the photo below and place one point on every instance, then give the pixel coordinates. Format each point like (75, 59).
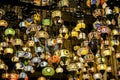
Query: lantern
(9, 32)
(3, 23)
(102, 68)
(97, 76)
(59, 69)
(48, 71)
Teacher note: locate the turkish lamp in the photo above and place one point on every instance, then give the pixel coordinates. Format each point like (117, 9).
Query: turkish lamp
(51, 42)
(63, 3)
(42, 34)
(56, 14)
(30, 43)
(92, 70)
(8, 50)
(47, 22)
(15, 59)
(43, 63)
(17, 43)
(59, 69)
(86, 76)
(97, 76)
(74, 34)
(100, 60)
(13, 76)
(63, 32)
(36, 59)
(28, 68)
(72, 67)
(115, 32)
(41, 78)
(27, 55)
(116, 10)
(2, 65)
(9, 32)
(22, 75)
(19, 66)
(80, 25)
(109, 70)
(4, 44)
(5, 75)
(48, 71)
(107, 53)
(3, 23)
(118, 56)
(102, 68)
(80, 65)
(84, 70)
(82, 36)
(82, 51)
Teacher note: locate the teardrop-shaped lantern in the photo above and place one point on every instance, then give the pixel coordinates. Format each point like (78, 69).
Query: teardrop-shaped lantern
(48, 71)
(59, 69)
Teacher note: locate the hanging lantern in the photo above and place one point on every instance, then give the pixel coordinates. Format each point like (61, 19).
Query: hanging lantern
(47, 22)
(36, 59)
(59, 69)
(115, 32)
(19, 66)
(28, 68)
(43, 64)
(5, 75)
(4, 44)
(3, 23)
(82, 36)
(17, 42)
(27, 55)
(97, 76)
(80, 26)
(107, 52)
(13, 76)
(48, 71)
(30, 43)
(15, 59)
(9, 32)
(63, 32)
(8, 50)
(51, 42)
(56, 13)
(92, 70)
(22, 75)
(72, 67)
(41, 78)
(118, 56)
(59, 40)
(42, 34)
(100, 60)
(102, 68)
(79, 65)
(114, 42)
(39, 49)
(63, 3)
(82, 51)
(36, 18)
(86, 76)
(2, 65)
(20, 54)
(109, 69)
(74, 34)
(64, 53)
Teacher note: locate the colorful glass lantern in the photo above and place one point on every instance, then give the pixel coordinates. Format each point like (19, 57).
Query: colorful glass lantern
(3, 23)
(5, 75)
(97, 76)
(59, 69)
(47, 22)
(56, 13)
(48, 71)
(10, 31)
